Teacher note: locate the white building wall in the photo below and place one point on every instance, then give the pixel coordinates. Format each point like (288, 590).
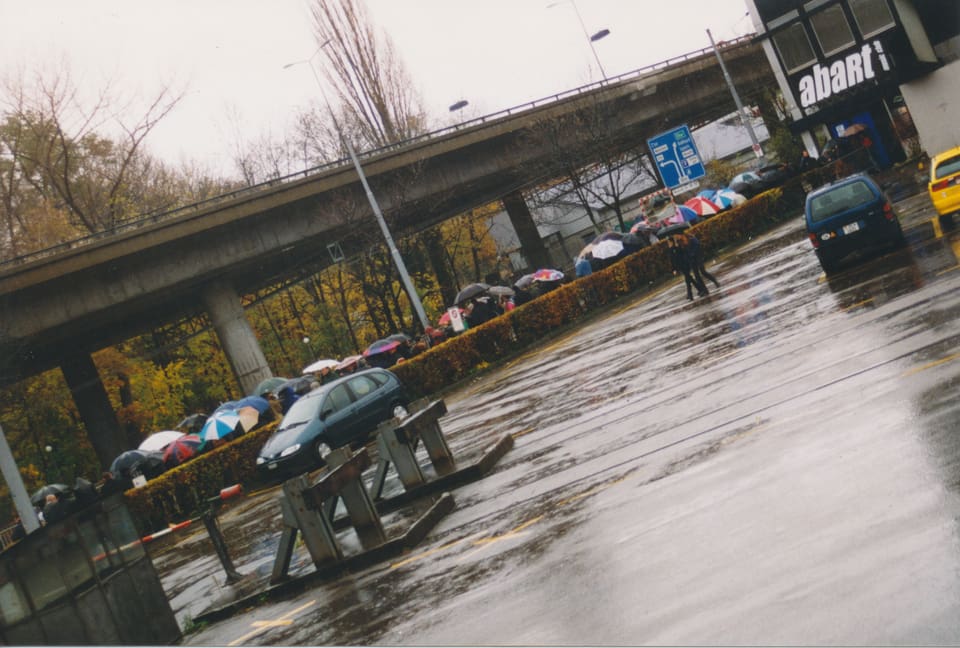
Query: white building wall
(933, 102)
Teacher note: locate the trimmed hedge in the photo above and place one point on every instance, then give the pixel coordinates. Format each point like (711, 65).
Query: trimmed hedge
(182, 492)
(455, 359)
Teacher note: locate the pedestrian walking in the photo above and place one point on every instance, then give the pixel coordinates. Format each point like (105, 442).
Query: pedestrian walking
(695, 254)
(681, 263)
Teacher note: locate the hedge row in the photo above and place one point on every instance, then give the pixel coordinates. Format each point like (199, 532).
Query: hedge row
(182, 492)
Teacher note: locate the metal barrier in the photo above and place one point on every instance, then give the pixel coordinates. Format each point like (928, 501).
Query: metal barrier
(307, 509)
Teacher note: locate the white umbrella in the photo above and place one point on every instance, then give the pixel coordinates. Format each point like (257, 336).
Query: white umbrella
(157, 441)
(607, 249)
(320, 365)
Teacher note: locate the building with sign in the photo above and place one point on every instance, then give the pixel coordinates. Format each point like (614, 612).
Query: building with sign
(887, 70)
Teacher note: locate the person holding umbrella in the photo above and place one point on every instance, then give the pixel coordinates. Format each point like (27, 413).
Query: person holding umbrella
(681, 263)
(695, 256)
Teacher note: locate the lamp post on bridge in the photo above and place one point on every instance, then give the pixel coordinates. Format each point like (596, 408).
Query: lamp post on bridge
(591, 38)
(374, 205)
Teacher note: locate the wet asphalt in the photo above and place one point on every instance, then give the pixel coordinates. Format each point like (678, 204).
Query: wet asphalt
(777, 463)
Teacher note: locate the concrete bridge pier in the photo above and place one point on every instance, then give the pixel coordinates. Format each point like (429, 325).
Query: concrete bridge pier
(94, 407)
(236, 335)
(531, 244)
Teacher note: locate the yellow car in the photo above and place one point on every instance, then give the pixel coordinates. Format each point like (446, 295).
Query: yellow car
(944, 183)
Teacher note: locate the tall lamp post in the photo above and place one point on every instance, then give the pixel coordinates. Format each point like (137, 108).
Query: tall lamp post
(591, 38)
(374, 205)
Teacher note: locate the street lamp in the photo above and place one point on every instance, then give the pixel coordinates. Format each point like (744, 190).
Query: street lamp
(591, 39)
(394, 252)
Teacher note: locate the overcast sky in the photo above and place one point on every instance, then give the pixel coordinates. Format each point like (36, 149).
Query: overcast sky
(228, 55)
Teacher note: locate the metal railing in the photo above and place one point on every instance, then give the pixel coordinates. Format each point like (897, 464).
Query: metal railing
(193, 208)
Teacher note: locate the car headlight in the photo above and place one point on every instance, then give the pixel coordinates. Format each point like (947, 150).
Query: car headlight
(261, 460)
(290, 450)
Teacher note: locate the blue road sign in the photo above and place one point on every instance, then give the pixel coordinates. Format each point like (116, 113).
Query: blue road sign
(676, 156)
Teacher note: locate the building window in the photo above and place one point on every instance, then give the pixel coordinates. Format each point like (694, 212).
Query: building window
(832, 30)
(871, 16)
(794, 47)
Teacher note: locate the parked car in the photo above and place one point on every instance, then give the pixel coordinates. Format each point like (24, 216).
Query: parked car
(944, 185)
(342, 412)
(850, 216)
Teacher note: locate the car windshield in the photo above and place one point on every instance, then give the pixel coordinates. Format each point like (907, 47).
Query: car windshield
(303, 410)
(948, 167)
(839, 199)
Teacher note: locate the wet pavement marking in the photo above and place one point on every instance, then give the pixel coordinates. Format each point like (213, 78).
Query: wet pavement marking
(592, 491)
(937, 230)
(261, 626)
(930, 365)
(515, 532)
(430, 552)
(858, 304)
(523, 432)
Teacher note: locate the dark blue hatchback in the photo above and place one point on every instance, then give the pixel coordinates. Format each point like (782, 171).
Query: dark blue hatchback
(850, 217)
(345, 411)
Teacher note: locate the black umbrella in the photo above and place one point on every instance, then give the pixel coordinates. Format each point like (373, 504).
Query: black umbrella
(470, 291)
(670, 230)
(38, 498)
(192, 423)
(148, 463)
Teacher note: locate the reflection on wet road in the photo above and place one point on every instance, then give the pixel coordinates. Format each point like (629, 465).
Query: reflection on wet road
(777, 463)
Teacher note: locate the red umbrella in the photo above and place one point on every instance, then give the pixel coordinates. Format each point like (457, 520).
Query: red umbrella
(703, 207)
(445, 318)
(181, 449)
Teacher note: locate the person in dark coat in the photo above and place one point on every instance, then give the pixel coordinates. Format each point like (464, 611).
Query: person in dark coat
(806, 162)
(695, 256)
(681, 263)
(483, 309)
(287, 398)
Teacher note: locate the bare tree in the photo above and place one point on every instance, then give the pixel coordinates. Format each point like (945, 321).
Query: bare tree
(376, 97)
(54, 143)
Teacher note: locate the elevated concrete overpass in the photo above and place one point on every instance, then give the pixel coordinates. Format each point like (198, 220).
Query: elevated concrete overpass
(57, 308)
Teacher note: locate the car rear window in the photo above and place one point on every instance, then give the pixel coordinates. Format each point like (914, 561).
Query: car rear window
(840, 199)
(948, 167)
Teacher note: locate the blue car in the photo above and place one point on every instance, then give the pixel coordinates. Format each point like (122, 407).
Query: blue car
(850, 217)
(343, 412)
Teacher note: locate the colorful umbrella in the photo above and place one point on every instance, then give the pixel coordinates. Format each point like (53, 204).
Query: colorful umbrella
(381, 346)
(157, 441)
(546, 274)
(702, 206)
(249, 417)
(219, 425)
(320, 365)
(683, 214)
(182, 449)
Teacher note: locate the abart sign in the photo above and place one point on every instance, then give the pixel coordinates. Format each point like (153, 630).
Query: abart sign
(827, 80)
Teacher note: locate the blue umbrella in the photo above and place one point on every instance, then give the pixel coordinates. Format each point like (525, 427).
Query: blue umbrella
(258, 403)
(707, 193)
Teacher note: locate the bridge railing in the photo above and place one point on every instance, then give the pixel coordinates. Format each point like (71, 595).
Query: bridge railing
(161, 216)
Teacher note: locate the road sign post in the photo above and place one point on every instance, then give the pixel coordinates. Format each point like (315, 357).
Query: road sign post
(676, 156)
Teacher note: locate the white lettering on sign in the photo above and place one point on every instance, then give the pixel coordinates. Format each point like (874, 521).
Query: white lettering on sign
(824, 81)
